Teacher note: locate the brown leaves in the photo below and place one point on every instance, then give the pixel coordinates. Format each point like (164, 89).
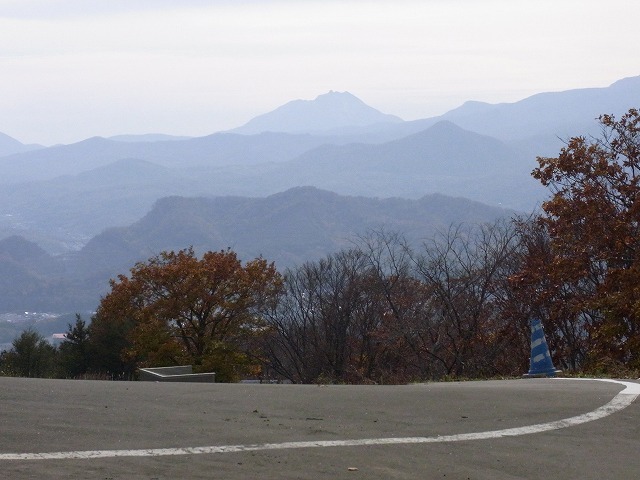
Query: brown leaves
(593, 225)
(181, 305)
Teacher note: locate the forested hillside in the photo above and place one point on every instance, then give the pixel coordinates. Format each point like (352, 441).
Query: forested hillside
(289, 228)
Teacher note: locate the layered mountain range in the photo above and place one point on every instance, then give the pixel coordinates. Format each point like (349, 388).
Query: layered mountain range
(289, 228)
(83, 212)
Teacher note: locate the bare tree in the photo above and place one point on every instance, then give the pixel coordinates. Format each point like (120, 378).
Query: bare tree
(465, 269)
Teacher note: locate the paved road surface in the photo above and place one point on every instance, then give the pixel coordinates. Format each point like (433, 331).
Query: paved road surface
(311, 430)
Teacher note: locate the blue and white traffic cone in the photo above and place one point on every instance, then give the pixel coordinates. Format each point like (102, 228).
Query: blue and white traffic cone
(541, 363)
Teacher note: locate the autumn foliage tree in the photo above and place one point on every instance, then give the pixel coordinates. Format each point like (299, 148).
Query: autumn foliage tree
(589, 275)
(178, 308)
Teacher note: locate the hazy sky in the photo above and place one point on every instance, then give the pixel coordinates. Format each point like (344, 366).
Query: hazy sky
(72, 69)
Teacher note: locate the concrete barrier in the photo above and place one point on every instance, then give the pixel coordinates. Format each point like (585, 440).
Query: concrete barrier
(180, 373)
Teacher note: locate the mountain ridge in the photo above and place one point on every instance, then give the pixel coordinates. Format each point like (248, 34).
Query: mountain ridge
(10, 146)
(64, 195)
(289, 228)
(326, 112)
(282, 225)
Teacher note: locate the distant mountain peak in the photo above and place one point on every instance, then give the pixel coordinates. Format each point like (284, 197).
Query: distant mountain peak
(628, 82)
(329, 111)
(470, 107)
(19, 248)
(332, 94)
(9, 145)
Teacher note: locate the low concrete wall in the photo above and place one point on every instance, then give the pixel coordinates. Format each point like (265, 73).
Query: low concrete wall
(181, 373)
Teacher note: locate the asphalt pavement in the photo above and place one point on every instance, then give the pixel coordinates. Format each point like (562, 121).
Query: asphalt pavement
(144, 430)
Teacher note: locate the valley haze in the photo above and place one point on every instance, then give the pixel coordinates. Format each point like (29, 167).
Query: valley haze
(292, 185)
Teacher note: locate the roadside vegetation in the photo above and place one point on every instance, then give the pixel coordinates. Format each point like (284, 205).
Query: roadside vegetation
(383, 312)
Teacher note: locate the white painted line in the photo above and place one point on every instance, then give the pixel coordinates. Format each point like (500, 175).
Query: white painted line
(619, 402)
(631, 388)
